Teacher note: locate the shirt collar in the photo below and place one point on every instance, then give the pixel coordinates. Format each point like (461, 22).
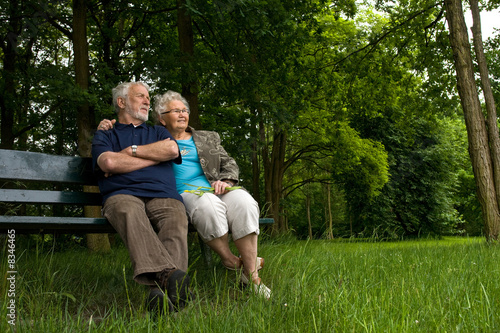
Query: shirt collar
(120, 125)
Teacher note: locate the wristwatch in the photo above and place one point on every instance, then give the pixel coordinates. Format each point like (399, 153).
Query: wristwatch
(134, 150)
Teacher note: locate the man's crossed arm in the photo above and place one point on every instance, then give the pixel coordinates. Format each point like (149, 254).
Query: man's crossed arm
(146, 155)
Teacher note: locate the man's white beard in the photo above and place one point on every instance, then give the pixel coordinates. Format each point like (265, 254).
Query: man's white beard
(137, 114)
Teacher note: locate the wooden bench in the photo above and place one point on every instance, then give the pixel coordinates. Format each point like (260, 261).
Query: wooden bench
(32, 182)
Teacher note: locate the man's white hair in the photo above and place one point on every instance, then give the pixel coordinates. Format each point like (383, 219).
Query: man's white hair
(121, 90)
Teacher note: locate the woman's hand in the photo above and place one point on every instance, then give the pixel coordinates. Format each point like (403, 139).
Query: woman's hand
(106, 124)
(219, 187)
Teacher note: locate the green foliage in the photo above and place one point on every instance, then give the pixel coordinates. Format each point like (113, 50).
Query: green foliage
(419, 198)
(468, 205)
(493, 59)
(320, 218)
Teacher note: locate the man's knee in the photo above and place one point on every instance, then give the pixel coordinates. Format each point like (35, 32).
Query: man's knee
(122, 204)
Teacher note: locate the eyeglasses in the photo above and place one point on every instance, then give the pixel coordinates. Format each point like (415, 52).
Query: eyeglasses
(178, 111)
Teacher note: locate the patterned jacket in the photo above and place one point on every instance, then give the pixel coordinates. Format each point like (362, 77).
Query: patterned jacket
(215, 161)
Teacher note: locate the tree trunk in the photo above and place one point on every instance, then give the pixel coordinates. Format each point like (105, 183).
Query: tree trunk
(265, 163)
(474, 120)
(7, 88)
(95, 242)
(186, 44)
(255, 165)
(330, 217)
(491, 120)
(308, 210)
(258, 138)
(85, 117)
(274, 167)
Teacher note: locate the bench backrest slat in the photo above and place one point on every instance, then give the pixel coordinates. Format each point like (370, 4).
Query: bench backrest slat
(23, 165)
(50, 197)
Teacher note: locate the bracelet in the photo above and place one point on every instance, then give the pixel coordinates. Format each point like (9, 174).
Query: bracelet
(134, 150)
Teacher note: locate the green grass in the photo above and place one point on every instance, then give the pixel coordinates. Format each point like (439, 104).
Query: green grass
(449, 285)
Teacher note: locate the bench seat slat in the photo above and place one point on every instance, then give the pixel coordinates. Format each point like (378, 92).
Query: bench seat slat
(46, 224)
(266, 220)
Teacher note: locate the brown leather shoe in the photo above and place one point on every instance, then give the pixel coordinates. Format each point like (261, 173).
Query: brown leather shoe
(157, 303)
(175, 283)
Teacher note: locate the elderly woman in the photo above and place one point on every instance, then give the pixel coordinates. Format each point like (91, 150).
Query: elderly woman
(205, 163)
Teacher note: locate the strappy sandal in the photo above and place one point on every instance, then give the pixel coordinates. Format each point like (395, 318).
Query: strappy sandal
(258, 287)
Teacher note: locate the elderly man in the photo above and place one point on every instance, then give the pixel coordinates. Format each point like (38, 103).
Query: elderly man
(137, 182)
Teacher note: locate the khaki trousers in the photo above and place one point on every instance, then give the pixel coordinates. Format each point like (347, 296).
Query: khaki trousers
(154, 231)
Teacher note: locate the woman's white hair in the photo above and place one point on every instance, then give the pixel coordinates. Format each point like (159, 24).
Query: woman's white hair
(162, 101)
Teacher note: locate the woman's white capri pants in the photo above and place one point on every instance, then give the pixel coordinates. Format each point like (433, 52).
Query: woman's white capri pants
(214, 215)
